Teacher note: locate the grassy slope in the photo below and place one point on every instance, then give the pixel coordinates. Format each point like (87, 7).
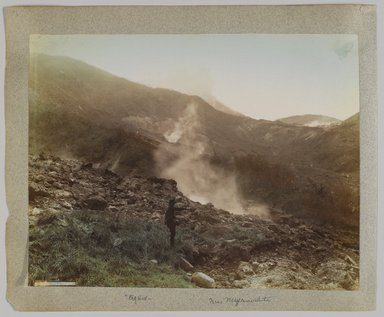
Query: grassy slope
(81, 250)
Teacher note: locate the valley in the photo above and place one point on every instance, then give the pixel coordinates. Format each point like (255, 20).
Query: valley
(259, 203)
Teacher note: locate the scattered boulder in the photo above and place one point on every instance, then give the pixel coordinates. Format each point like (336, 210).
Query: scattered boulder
(266, 266)
(53, 174)
(36, 211)
(35, 190)
(244, 269)
(113, 208)
(66, 204)
(131, 199)
(156, 216)
(203, 280)
(238, 252)
(63, 194)
(39, 178)
(96, 203)
(57, 185)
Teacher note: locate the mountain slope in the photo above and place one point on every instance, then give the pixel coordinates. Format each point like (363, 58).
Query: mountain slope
(220, 106)
(61, 83)
(80, 111)
(310, 120)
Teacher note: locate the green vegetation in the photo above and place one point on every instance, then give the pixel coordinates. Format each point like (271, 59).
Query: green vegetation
(97, 249)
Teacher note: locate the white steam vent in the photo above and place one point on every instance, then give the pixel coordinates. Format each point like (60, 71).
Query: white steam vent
(195, 176)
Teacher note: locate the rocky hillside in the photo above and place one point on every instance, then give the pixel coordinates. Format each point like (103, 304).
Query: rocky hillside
(96, 228)
(79, 111)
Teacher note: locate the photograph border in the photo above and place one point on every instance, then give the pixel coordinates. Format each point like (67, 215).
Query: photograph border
(313, 19)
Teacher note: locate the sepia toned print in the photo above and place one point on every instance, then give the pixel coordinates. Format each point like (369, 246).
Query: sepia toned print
(186, 161)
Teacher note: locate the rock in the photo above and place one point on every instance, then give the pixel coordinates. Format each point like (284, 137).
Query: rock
(47, 218)
(53, 174)
(63, 194)
(240, 283)
(153, 261)
(244, 269)
(113, 208)
(36, 211)
(131, 200)
(54, 168)
(185, 265)
(321, 249)
(86, 166)
(52, 211)
(35, 191)
(50, 180)
(239, 252)
(255, 265)
(156, 216)
(96, 203)
(54, 207)
(266, 266)
(66, 204)
(203, 280)
(57, 185)
(39, 178)
(204, 250)
(117, 242)
(179, 206)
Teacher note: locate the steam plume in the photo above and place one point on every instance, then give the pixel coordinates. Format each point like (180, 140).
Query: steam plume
(196, 177)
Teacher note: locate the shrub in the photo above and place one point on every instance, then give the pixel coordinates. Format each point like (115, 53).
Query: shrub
(80, 247)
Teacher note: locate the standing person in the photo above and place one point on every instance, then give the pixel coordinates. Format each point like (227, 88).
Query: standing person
(170, 220)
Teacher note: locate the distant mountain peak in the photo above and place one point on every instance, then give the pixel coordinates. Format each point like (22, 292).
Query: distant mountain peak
(310, 120)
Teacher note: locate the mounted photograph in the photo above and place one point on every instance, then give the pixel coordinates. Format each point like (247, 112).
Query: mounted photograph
(220, 161)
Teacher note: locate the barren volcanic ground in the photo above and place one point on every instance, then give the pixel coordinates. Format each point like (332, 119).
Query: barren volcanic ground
(97, 228)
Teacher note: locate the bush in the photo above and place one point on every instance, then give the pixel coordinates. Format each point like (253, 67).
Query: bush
(81, 247)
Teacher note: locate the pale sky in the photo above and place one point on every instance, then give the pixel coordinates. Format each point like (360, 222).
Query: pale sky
(264, 76)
